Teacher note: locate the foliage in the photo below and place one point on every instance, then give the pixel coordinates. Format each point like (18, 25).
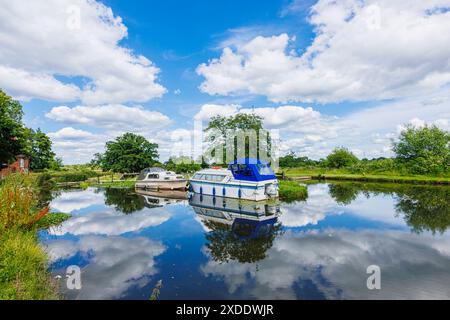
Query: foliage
(52, 219)
(292, 191)
(23, 263)
(128, 153)
(182, 165)
(292, 161)
(23, 268)
(40, 151)
(13, 134)
(340, 158)
(424, 150)
(16, 139)
(222, 129)
(18, 202)
(73, 176)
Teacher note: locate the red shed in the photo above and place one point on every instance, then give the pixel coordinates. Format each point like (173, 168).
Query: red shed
(22, 164)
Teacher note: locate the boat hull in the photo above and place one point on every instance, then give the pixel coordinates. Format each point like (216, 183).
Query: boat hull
(237, 190)
(162, 185)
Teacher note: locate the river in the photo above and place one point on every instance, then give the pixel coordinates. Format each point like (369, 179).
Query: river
(321, 248)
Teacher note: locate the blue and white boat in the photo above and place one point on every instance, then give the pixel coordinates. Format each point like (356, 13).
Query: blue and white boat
(249, 179)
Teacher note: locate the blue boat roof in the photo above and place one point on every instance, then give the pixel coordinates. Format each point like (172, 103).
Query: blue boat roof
(251, 169)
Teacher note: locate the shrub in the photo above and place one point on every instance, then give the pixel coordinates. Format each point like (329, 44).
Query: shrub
(292, 191)
(340, 158)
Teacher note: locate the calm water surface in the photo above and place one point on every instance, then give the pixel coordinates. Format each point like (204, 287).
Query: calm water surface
(222, 249)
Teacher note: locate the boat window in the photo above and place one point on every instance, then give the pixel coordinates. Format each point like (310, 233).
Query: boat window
(208, 177)
(197, 176)
(180, 177)
(153, 176)
(264, 170)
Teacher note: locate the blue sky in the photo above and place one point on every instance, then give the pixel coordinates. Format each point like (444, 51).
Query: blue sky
(324, 74)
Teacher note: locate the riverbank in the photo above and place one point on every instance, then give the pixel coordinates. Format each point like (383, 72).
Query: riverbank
(342, 174)
(24, 271)
(292, 191)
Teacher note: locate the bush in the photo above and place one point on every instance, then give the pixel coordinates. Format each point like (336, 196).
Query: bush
(341, 158)
(73, 176)
(292, 191)
(424, 150)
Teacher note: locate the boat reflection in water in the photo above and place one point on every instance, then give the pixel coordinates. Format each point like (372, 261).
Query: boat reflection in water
(155, 199)
(237, 229)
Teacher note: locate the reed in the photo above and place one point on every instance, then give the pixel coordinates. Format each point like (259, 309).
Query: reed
(18, 202)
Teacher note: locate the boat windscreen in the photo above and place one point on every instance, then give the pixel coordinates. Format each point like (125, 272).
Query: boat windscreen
(264, 169)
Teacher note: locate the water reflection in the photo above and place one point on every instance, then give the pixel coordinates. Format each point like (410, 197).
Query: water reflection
(123, 200)
(154, 199)
(208, 247)
(114, 264)
(237, 230)
(424, 208)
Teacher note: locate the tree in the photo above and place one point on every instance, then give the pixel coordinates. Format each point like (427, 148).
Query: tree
(220, 129)
(40, 151)
(128, 153)
(13, 133)
(423, 150)
(340, 158)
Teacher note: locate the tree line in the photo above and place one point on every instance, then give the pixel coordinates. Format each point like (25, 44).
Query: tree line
(424, 150)
(417, 150)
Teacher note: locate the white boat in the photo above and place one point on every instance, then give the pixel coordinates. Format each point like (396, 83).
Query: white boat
(249, 179)
(160, 179)
(246, 219)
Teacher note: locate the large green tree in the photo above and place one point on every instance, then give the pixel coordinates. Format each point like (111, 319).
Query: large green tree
(128, 153)
(40, 151)
(423, 150)
(221, 129)
(13, 134)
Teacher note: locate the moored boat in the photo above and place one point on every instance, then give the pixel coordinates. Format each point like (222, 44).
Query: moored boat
(250, 179)
(160, 179)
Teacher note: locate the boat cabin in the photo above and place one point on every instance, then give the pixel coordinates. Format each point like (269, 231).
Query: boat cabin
(251, 169)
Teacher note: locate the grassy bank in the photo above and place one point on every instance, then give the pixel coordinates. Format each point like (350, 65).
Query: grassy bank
(23, 262)
(114, 184)
(343, 174)
(292, 191)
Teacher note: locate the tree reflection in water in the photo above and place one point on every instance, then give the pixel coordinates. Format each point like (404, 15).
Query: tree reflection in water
(123, 200)
(238, 230)
(424, 208)
(243, 241)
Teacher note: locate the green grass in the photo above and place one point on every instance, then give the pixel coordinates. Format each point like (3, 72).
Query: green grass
(23, 263)
(115, 184)
(292, 191)
(52, 219)
(343, 174)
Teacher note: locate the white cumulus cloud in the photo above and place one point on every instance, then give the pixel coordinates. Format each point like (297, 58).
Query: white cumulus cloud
(67, 50)
(362, 51)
